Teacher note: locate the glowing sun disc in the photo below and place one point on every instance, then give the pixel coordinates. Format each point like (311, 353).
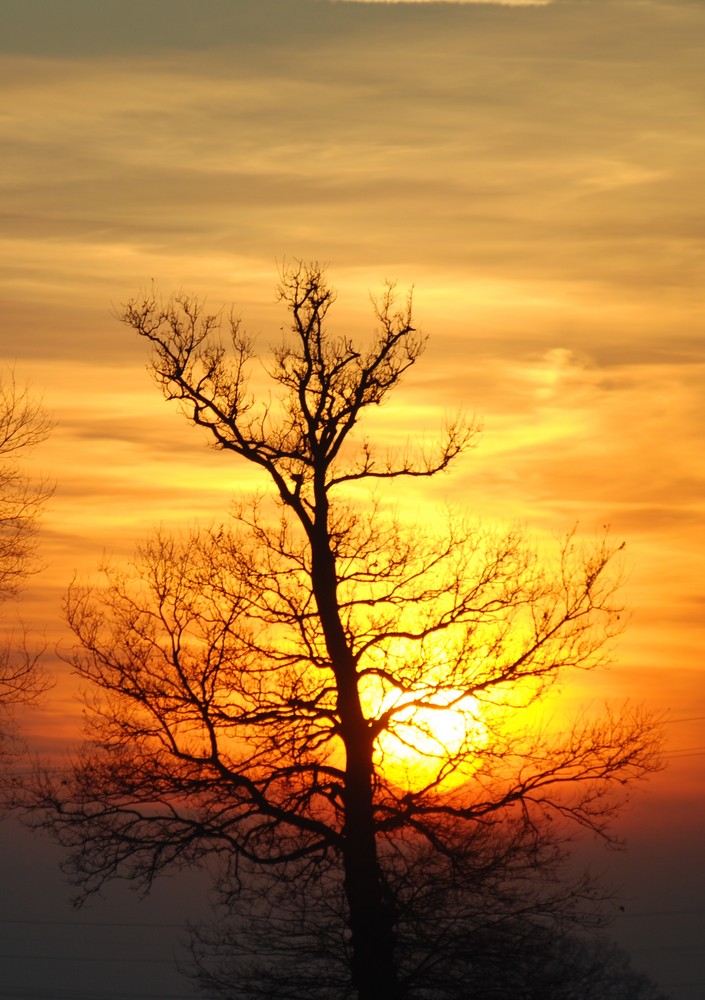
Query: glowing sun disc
(433, 744)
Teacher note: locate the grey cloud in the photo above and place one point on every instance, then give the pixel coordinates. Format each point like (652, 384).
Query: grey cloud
(544, 146)
(110, 27)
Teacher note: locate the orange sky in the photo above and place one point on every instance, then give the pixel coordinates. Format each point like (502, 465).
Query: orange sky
(535, 171)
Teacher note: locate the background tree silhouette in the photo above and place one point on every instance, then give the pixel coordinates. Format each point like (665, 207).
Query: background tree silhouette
(255, 685)
(485, 946)
(23, 425)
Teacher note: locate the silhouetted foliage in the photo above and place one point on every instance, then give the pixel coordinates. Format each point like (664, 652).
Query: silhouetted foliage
(496, 919)
(531, 962)
(252, 682)
(459, 916)
(293, 947)
(23, 425)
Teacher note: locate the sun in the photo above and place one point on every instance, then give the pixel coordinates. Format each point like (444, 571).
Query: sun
(433, 740)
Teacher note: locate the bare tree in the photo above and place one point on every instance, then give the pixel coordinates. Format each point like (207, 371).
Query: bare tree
(254, 683)
(23, 425)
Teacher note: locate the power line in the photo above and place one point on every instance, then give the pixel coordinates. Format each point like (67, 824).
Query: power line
(82, 958)
(686, 752)
(157, 925)
(52, 993)
(667, 948)
(91, 923)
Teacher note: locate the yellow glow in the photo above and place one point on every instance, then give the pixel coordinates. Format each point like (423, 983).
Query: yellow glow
(430, 743)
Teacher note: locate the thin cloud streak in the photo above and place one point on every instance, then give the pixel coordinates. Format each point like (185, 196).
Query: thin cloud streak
(500, 3)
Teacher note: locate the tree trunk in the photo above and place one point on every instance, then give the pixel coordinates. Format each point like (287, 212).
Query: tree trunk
(371, 915)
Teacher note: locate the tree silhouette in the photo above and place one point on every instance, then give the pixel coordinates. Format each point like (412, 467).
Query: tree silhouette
(23, 425)
(255, 683)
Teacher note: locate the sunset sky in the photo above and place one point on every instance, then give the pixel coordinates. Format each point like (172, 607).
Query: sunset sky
(534, 170)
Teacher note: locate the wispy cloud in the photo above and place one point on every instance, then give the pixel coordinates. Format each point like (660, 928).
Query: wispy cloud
(494, 3)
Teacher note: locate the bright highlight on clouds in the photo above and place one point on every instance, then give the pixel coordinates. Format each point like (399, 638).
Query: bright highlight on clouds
(501, 3)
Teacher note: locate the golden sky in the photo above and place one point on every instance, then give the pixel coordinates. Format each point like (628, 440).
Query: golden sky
(535, 171)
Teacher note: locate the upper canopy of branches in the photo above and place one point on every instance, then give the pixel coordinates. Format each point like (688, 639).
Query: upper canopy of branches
(325, 383)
